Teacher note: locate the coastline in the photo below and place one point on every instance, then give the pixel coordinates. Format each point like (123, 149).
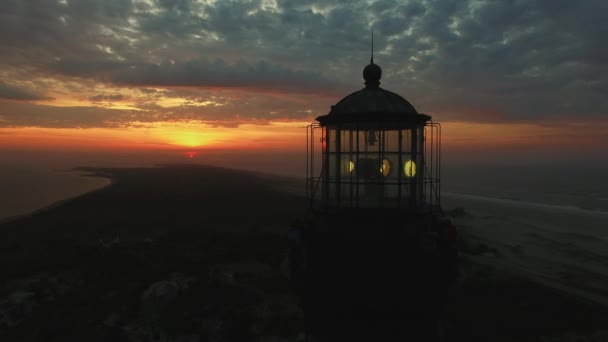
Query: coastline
(90, 172)
(505, 211)
(561, 247)
(573, 209)
(218, 237)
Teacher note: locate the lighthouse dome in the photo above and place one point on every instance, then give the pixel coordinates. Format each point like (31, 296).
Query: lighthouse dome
(372, 98)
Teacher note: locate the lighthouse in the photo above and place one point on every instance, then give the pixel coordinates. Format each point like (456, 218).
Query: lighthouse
(375, 258)
(377, 152)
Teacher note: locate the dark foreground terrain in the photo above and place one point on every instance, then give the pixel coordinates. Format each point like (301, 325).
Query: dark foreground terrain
(192, 253)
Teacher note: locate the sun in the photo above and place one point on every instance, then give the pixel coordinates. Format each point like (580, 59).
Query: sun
(190, 154)
(185, 134)
(189, 139)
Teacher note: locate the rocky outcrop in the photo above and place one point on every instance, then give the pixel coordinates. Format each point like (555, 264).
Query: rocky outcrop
(16, 307)
(160, 294)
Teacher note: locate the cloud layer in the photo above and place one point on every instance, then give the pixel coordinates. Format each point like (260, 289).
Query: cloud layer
(12, 92)
(115, 62)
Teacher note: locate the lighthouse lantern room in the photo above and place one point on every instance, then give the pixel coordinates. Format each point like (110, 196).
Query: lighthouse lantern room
(373, 150)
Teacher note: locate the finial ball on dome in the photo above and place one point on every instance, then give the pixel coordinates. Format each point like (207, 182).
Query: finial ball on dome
(372, 74)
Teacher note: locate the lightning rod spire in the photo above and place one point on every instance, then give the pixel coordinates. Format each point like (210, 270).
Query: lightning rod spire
(372, 59)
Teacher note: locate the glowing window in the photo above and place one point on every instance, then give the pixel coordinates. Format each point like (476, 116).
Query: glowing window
(409, 168)
(351, 166)
(385, 168)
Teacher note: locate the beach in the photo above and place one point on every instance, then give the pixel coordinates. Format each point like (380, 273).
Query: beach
(198, 252)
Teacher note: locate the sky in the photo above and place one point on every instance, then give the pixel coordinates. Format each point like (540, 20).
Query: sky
(508, 80)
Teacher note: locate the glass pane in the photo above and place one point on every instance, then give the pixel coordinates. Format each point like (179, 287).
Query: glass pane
(369, 140)
(347, 141)
(406, 142)
(391, 141)
(331, 140)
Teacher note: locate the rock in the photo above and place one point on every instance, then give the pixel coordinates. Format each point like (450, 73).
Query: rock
(214, 329)
(298, 338)
(112, 320)
(457, 212)
(277, 315)
(243, 272)
(188, 338)
(285, 268)
(275, 339)
(16, 308)
(160, 294)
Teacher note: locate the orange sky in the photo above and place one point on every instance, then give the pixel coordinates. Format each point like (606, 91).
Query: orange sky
(289, 136)
(158, 135)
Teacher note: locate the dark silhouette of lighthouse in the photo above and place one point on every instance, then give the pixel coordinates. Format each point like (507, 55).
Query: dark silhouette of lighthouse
(375, 258)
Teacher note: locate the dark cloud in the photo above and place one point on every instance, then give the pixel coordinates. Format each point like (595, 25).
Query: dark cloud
(30, 115)
(201, 73)
(520, 60)
(526, 60)
(106, 97)
(10, 92)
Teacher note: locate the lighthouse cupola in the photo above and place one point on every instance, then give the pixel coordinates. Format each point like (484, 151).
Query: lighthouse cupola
(373, 150)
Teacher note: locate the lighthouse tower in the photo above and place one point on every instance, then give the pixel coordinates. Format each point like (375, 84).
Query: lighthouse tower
(374, 259)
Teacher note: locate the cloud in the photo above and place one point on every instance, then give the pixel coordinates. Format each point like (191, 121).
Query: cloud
(17, 114)
(229, 112)
(258, 76)
(513, 60)
(106, 97)
(10, 92)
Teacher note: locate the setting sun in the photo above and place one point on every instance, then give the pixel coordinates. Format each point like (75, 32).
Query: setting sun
(189, 139)
(190, 154)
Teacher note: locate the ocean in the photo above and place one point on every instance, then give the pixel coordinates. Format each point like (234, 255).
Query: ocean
(561, 185)
(26, 188)
(548, 223)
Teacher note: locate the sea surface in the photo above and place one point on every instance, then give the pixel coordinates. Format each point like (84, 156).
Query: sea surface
(546, 222)
(27, 188)
(560, 185)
